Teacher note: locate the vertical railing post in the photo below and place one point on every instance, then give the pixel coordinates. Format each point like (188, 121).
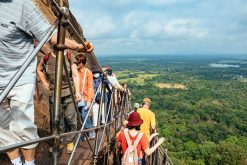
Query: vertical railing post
(122, 107)
(154, 156)
(58, 84)
(95, 156)
(115, 110)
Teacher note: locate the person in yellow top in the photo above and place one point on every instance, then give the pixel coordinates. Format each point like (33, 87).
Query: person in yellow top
(148, 118)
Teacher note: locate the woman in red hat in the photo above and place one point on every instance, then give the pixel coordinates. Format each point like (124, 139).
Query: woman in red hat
(133, 133)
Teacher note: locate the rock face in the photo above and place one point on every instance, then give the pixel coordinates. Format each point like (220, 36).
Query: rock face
(51, 14)
(41, 97)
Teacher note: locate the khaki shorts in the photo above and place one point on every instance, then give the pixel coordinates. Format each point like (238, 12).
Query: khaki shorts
(17, 117)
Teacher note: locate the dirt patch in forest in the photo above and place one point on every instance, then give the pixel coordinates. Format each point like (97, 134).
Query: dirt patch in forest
(171, 86)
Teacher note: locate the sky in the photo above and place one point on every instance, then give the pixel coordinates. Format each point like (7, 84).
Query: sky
(164, 27)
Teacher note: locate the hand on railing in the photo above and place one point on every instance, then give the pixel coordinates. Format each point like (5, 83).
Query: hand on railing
(47, 86)
(77, 96)
(152, 136)
(161, 140)
(89, 104)
(89, 47)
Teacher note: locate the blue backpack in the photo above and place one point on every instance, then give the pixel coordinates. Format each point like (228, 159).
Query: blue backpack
(96, 83)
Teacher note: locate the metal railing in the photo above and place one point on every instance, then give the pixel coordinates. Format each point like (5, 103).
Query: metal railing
(160, 156)
(62, 22)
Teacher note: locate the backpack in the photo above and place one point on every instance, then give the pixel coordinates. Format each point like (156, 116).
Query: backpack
(46, 58)
(96, 83)
(130, 156)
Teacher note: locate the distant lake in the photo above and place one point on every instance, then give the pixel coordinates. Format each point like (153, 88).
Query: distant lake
(214, 65)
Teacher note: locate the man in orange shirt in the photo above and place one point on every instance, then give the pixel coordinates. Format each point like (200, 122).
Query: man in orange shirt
(86, 89)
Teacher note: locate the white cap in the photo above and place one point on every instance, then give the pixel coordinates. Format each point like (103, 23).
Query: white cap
(136, 105)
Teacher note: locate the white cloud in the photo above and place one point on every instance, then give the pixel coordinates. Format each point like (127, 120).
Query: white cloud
(165, 2)
(152, 28)
(185, 28)
(121, 2)
(142, 24)
(194, 25)
(131, 20)
(100, 26)
(134, 34)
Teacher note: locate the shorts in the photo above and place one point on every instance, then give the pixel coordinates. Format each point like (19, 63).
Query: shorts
(17, 117)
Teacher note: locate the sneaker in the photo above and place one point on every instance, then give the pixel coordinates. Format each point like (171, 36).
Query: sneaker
(50, 150)
(18, 161)
(83, 138)
(91, 135)
(70, 147)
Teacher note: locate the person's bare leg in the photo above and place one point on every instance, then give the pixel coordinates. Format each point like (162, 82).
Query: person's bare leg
(29, 154)
(13, 154)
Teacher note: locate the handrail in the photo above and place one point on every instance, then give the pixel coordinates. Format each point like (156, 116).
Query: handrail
(82, 127)
(62, 12)
(4, 149)
(160, 156)
(106, 119)
(25, 143)
(166, 158)
(82, 38)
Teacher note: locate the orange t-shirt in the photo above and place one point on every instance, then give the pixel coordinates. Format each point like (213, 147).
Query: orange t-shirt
(142, 145)
(88, 92)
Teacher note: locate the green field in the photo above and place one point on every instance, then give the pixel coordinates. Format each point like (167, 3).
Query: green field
(206, 123)
(135, 77)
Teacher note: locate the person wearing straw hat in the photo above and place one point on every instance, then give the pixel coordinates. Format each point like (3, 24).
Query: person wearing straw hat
(148, 117)
(132, 135)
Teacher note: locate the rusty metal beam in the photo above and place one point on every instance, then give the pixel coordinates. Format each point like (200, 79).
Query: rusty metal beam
(58, 83)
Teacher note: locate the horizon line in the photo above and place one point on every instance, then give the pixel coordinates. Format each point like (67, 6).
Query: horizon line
(128, 55)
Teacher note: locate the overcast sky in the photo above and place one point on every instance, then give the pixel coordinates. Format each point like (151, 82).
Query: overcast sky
(164, 26)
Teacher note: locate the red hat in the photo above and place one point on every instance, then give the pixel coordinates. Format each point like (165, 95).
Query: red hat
(107, 67)
(134, 119)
